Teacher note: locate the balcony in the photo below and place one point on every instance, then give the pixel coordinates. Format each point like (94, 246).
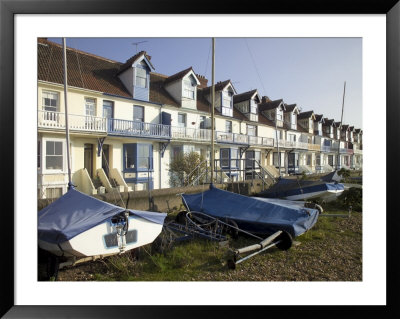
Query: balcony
(137, 129)
(234, 138)
(292, 144)
(261, 141)
(56, 120)
(346, 151)
(314, 147)
(192, 134)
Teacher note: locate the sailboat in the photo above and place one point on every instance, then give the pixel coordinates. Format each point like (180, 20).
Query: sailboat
(80, 227)
(251, 214)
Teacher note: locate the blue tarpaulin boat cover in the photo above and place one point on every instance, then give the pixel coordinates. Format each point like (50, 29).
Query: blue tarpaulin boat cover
(258, 215)
(76, 212)
(289, 187)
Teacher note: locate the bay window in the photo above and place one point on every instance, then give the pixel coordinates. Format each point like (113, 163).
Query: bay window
(54, 155)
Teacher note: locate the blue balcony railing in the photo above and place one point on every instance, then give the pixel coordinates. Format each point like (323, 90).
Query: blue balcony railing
(141, 129)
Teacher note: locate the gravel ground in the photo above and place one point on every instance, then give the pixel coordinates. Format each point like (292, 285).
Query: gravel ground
(330, 251)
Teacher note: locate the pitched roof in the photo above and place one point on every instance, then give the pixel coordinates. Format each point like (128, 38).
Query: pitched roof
(345, 127)
(358, 130)
(158, 93)
(329, 122)
(264, 120)
(133, 59)
(337, 124)
(219, 86)
(269, 105)
(305, 115)
(318, 117)
(290, 108)
(244, 96)
(85, 70)
(178, 75)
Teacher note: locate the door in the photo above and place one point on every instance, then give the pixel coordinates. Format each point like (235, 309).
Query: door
(88, 159)
(105, 159)
(108, 114)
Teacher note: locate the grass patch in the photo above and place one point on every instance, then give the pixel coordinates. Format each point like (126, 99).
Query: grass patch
(330, 251)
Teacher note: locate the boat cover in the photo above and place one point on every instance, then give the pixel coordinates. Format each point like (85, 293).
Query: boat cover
(253, 214)
(76, 212)
(289, 187)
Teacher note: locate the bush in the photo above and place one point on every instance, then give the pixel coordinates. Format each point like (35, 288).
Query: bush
(183, 165)
(353, 197)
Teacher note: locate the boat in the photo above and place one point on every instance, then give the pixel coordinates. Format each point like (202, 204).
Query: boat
(253, 214)
(295, 189)
(77, 225)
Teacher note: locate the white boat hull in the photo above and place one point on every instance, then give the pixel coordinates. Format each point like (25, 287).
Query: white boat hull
(102, 240)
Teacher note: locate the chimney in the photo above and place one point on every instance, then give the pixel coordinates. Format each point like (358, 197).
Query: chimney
(203, 81)
(265, 99)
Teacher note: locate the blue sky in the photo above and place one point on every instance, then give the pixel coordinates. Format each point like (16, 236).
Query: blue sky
(307, 71)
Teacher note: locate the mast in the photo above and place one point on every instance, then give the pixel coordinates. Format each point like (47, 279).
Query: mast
(340, 126)
(212, 110)
(66, 111)
(277, 142)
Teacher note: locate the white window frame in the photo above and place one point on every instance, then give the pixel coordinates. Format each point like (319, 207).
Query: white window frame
(45, 170)
(184, 115)
(189, 90)
(92, 103)
(253, 106)
(57, 94)
(254, 127)
(279, 114)
(230, 126)
(138, 75)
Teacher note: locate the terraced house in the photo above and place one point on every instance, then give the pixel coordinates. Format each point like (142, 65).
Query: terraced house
(127, 123)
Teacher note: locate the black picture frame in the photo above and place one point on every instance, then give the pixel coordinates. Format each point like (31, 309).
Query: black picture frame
(8, 10)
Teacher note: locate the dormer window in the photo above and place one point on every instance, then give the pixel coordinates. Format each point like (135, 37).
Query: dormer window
(253, 107)
(189, 88)
(279, 114)
(227, 103)
(141, 77)
(293, 120)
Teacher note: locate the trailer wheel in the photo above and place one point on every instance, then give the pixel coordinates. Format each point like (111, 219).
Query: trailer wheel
(231, 264)
(285, 241)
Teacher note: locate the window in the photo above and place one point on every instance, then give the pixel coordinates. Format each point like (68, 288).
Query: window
(253, 107)
(90, 107)
(309, 157)
(202, 121)
(251, 130)
(53, 192)
(293, 120)
(229, 157)
(188, 89)
(330, 160)
(234, 157)
(141, 77)
(224, 157)
(50, 101)
(292, 137)
(181, 120)
(253, 159)
(138, 157)
(275, 159)
(54, 155)
(138, 113)
(228, 126)
(227, 99)
(107, 109)
(279, 114)
(144, 159)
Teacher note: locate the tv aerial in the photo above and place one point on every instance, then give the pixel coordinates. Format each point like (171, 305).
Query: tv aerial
(137, 43)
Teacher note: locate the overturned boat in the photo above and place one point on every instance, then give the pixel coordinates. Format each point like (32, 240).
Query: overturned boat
(253, 214)
(293, 189)
(77, 225)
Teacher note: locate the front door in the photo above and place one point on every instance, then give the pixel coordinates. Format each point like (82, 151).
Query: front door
(88, 159)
